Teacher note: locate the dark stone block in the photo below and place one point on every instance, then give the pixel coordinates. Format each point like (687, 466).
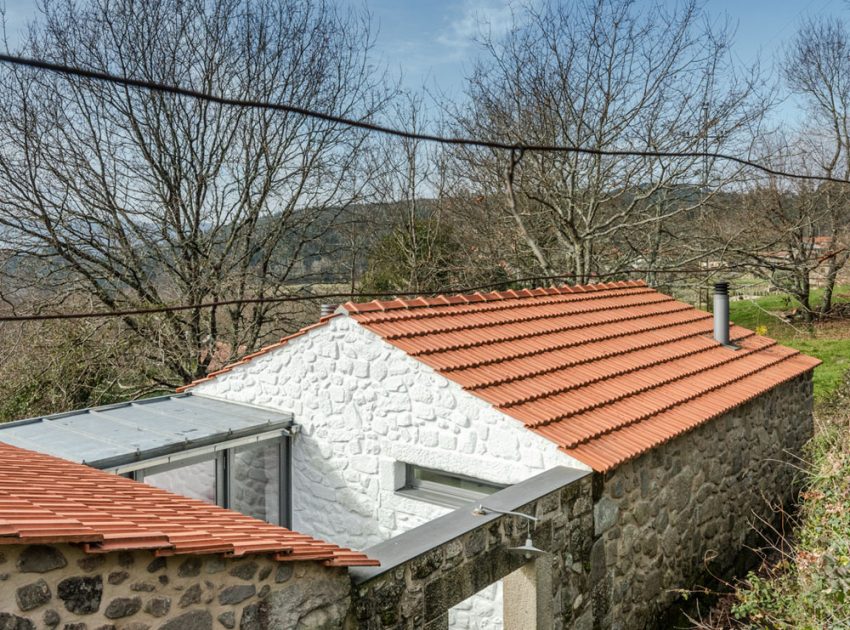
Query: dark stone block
(192, 620)
(264, 572)
(90, 563)
(51, 618)
(236, 594)
(264, 591)
(227, 619)
(597, 561)
(156, 564)
(117, 577)
(125, 559)
(244, 570)
(40, 559)
(190, 567)
(475, 542)
(482, 575)
(8, 621)
(33, 595)
(143, 587)
(75, 626)
(214, 565)
(81, 594)
(164, 579)
(284, 572)
(121, 607)
(254, 617)
(192, 595)
(158, 606)
(434, 599)
(426, 564)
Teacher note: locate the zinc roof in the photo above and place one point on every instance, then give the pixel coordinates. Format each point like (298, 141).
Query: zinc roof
(45, 499)
(126, 432)
(606, 371)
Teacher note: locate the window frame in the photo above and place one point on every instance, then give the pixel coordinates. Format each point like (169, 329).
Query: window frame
(224, 464)
(444, 495)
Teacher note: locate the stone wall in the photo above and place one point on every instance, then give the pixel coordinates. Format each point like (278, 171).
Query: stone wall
(685, 510)
(61, 587)
(417, 590)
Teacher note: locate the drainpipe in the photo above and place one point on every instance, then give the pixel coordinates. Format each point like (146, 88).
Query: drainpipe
(721, 313)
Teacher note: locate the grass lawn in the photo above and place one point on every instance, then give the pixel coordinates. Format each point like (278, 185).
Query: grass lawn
(828, 341)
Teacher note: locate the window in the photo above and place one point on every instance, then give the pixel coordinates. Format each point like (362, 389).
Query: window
(442, 488)
(249, 478)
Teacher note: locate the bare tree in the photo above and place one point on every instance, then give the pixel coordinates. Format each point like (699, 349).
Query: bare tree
(604, 75)
(817, 68)
(415, 252)
(771, 231)
(132, 198)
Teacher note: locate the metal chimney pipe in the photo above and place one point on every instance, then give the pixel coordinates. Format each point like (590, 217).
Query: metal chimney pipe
(327, 309)
(721, 312)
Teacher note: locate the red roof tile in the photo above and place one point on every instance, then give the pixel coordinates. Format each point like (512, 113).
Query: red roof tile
(44, 499)
(605, 371)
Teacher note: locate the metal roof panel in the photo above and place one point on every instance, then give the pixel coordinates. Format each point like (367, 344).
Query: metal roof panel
(145, 427)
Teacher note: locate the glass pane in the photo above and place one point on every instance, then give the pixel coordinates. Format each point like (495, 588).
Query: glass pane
(445, 479)
(255, 489)
(196, 481)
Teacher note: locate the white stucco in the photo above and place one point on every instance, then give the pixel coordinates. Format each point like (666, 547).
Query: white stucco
(365, 408)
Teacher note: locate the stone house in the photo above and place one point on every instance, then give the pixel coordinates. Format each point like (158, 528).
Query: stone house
(409, 408)
(82, 549)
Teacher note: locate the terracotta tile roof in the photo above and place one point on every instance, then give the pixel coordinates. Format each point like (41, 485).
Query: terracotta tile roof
(44, 499)
(605, 371)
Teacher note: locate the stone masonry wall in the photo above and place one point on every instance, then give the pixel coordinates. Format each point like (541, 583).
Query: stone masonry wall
(61, 587)
(416, 594)
(686, 508)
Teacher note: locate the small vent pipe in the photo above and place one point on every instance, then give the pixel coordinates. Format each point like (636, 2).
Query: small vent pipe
(721, 313)
(327, 309)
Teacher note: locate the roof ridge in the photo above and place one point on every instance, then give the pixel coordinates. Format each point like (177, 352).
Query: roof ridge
(476, 344)
(634, 368)
(563, 346)
(522, 320)
(492, 296)
(690, 397)
(441, 309)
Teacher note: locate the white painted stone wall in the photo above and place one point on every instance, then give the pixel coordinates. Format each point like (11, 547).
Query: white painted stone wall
(366, 408)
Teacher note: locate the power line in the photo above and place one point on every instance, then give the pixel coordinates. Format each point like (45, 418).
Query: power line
(342, 295)
(400, 133)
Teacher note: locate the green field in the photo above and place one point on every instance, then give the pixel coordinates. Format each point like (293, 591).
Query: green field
(828, 341)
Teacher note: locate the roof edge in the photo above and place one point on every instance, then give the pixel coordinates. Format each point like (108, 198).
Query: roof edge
(357, 308)
(262, 351)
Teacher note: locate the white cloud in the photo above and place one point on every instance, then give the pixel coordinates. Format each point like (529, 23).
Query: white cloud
(475, 18)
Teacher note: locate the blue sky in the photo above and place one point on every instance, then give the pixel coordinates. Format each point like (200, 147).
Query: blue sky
(431, 41)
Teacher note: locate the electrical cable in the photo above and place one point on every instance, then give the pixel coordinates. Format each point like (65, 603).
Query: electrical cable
(400, 133)
(515, 148)
(342, 295)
